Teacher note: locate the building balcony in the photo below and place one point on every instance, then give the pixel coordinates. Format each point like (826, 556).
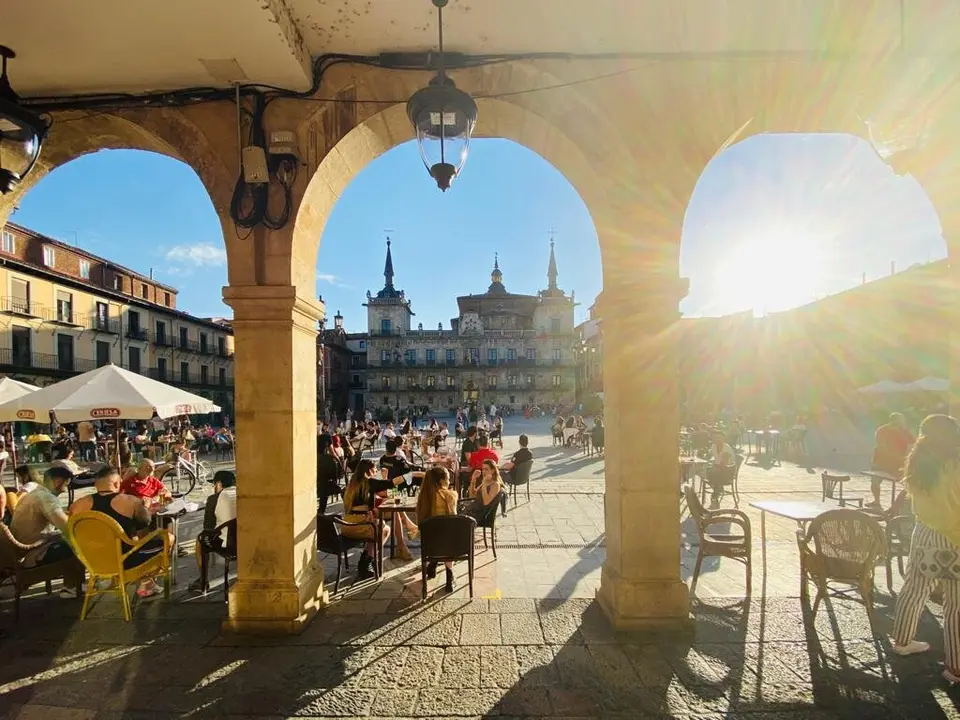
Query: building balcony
(188, 379)
(163, 340)
(355, 385)
(43, 363)
(64, 317)
(21, 307)
(103, 324)
(136, 333)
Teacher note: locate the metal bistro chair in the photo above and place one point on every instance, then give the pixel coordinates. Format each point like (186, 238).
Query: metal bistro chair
(212, 542)
(831, 486)
(846, 545)
(732, 480)
(13, 570)
(489, 520)
(736, 546)
(520, 475)
(330, 540)
(446, 537)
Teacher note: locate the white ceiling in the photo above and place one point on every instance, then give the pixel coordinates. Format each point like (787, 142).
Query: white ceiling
(74, 46)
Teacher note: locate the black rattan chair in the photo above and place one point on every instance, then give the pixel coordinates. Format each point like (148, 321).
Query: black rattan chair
(330, 540)
(211, 543)
(519, 475)
(488, 521)
(446, 537)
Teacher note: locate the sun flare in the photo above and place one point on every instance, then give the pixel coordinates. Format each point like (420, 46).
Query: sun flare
(769, 273)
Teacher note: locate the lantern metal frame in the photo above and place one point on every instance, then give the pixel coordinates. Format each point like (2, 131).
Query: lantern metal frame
(17, 125)
(440, 97)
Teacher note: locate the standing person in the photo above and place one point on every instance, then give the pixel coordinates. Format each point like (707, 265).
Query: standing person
(932, 478)
(437, 498)
(892, 442)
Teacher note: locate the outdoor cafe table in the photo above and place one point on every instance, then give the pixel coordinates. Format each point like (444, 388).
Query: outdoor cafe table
(887, 477)
(690, 466)
(172, 511)
(800, 511)
(389, 507)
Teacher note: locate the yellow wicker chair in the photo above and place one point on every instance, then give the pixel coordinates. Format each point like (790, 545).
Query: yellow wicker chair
(98, 541)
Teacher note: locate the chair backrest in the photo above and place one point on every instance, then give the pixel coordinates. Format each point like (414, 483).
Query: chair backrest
(11, 550)
(446, 536)
(831, 483)
(230, 528)
(694, 505)
(847, 542)
(520, 475)
(490, 514)
(96, 538)
(328, 534)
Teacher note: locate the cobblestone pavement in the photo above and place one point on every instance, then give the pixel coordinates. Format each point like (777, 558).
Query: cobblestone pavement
(531, 644)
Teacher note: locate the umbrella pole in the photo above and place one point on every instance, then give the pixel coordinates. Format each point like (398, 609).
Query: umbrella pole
(13, 456)
(119, 469)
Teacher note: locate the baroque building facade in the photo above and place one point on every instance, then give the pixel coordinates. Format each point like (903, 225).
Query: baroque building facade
(507, 349)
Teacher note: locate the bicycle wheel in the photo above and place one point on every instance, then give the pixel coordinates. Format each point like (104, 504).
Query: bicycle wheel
(180, 481)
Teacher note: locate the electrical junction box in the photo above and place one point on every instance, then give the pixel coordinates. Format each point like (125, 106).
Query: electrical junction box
(255, 165)
(283, 142)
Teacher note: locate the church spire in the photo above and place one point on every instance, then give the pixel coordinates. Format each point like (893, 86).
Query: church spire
(496, 276)
(552, 268)
(388, 269)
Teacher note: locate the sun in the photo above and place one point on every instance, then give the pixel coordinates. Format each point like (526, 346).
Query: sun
(768, 273)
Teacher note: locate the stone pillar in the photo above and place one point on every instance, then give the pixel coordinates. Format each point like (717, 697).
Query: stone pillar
(280, 584)
(640, 584)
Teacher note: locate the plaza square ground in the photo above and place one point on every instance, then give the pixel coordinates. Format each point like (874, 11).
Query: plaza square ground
(532, 642)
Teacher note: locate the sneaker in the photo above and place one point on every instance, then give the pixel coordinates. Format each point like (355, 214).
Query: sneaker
(950, 676)
(70, 593)
(911, 648)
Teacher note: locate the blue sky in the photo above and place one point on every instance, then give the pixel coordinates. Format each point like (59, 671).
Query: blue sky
(775, 221)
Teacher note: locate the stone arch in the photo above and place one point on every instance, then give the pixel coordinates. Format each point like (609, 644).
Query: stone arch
(166, 131)
(377, 131)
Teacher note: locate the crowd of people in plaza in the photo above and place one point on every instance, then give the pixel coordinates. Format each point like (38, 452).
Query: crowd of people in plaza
(469, 482)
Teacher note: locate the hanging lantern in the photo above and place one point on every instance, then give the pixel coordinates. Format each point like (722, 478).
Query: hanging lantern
(21, 132)
(443, 118)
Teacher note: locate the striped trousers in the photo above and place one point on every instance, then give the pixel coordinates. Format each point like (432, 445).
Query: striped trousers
(933, 559)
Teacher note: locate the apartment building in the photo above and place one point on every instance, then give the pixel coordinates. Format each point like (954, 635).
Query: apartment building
(65, 311)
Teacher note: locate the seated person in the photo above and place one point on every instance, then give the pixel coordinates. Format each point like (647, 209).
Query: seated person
(38, 517)
(597, 434)
(468, 446)
(892, 444)
(359, 506)
(65, 460)
(482, 453)
(25, 480)
(221, 507)
(329, 474)
(485, 489)
(143, 484)
(520, 456)
(131, 515)
(437, 498)
(396, 462)
(723, 466)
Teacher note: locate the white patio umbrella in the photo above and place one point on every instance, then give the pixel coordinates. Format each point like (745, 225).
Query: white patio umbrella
(11, 389)
(930, 384)
(107, 393)
(884, 387)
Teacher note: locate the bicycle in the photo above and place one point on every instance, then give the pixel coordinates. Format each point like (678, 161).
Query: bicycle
(182, 476)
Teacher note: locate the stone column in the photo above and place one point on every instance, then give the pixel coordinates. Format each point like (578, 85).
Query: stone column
(280, 584)
(640, 584)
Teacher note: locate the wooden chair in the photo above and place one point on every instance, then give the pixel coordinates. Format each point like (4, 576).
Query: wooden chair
(330, 540)
(846, 545)
(736, 546)
(446, 537)
(13, 571)
(732, 480)
(98, 541)
(520, 475)
(211, 542)
(831, 486)
(898, 523)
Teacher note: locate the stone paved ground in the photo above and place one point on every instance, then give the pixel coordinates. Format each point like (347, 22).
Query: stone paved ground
(531, 644)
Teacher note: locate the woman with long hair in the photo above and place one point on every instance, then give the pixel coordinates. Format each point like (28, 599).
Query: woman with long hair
(932, 477)
(436, 498)
(359, 507)
(485, 489)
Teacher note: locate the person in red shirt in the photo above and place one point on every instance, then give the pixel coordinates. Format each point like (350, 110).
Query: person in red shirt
(143, 484)
(484, 452)
(892, 444)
